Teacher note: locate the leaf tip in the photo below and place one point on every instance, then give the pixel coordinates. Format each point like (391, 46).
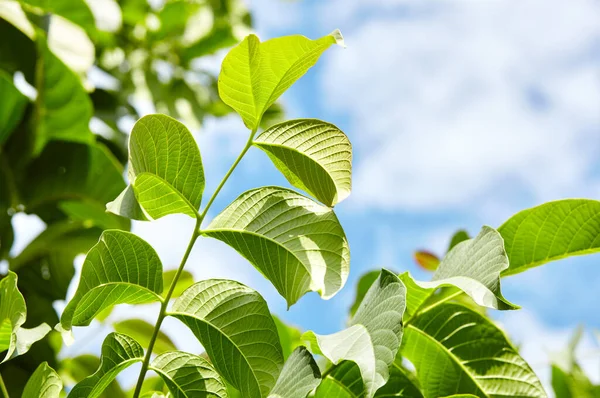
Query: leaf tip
(339, 39)
(66, 334)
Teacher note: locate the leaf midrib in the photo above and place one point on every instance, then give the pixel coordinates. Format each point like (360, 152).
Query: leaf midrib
(171, 187)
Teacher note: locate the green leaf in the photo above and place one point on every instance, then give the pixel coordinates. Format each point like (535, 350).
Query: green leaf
(456, 350)
(13, 314)
(74, 370)
(296, 243)
(120, 268)
(141, 331)
(13, 106)
(76, 11)
(234, 325)
(43, 383)
(314, 156)
(374, 335)
(300, 375)
(289, 337)
(186, 279)
(344, 381)
(188, 375)
(400, 384)
(255, 74)
(474, 266)
(552, 231)
(118, 352)
(165, 170)
(459, 236)
(63, 107)
(362, 287)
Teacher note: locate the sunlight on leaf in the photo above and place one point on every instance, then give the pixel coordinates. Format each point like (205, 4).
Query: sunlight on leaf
(43, 383)
(300, 375)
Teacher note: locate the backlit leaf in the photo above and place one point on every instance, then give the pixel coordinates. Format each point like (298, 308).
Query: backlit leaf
(165, 170)
(374, 335)
(187, 375)
(456, 350)
(141, 331)
(295, 242)
(234, 325)
(186, 279)
(550, 232)
(255, 74)
(120, 268)
(314, 156)
(300, 375)
(118, 352)
(43, 383)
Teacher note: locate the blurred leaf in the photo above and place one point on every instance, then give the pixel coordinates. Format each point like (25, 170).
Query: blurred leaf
(314, 156)
(120, 268)
(550, 232)
(44, 383)
(262, 225)
(17, 51)
(427, 260)
(364, 283)
(186, 279)
(13, 106)
(255, 74)
(459, 236)
(299, 376)
(234, 325)
(289, 337)
(78, 368)
(141, 331)
(76, 11)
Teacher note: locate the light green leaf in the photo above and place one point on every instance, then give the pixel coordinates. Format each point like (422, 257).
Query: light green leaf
(120, 268)
(255, 74)
(165, 170)
(289, 337)
(186, 279)
(63, 107)
(13, 106)
(474, 266)
(13, 314)
(374, 335)
(141, 331)
(298, 244)
(187, 375)
(43, 383)
(552, 231)
(300, 375)
(235, 327)
(118, 352)
(314, 156)
(456, 350)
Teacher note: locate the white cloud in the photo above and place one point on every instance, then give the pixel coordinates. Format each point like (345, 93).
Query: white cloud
(464, 102)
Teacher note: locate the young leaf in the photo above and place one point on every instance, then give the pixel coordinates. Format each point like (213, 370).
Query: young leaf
(118, 352)
(141, 331)
(427, 260)
(165, 171)
(43, 383)
(255, 74)
(296, 243)
(120, 268)
(550, 232)
(374, 335)
(314, 156)
(456, 350)
(300, 375)
(235, 327)
(13, 313)
(188, 375)
(474, 266)
(13, 106)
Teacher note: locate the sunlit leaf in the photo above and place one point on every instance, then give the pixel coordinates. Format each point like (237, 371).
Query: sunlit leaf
(141, 331)
(187, 375)
(118, 352)
(73, 370)
(456, 350)
(255, 74)
(550, 232)
(76, 11)
(186, 279)
(295, 242)
(13, 106)
(374, 335)
(234, 325)
(165, 170)
(474, 266)
(120, 268)
(300, 375)
(43, 383)
(314, 156)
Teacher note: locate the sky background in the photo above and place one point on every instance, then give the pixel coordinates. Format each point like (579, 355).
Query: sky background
(461, 113)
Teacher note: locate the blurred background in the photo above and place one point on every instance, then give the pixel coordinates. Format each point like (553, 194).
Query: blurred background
(461, 113)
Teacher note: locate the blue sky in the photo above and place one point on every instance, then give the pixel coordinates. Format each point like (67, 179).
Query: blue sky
(461, 113)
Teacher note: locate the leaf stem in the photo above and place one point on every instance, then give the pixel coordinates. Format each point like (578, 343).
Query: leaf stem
(3, 388)
(163, 310)
(195, 235)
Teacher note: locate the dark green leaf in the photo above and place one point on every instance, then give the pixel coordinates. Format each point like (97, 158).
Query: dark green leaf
(13, 106)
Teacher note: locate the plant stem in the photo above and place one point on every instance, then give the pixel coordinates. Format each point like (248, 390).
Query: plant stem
(3, 388)
(195, 235)
(163, 310)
